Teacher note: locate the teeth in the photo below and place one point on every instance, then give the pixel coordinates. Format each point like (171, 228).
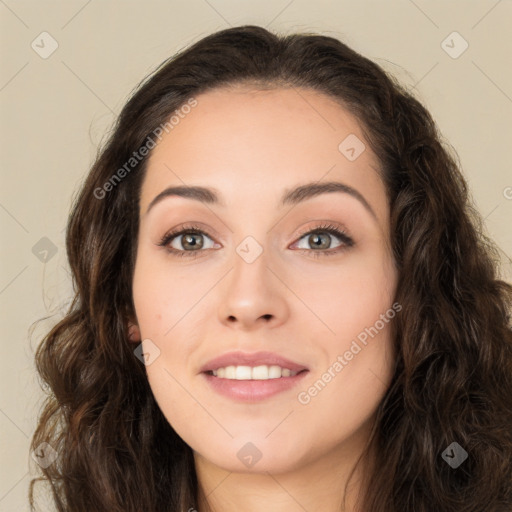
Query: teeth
(253, 373)
(243, 373)
(274, 372)
(261, 373)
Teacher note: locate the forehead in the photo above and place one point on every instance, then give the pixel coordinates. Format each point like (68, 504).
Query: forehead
(252, 144)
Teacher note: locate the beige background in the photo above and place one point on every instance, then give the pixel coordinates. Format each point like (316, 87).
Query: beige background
(56, 110)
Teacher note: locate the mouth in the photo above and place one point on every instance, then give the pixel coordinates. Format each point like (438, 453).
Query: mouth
(250, 378)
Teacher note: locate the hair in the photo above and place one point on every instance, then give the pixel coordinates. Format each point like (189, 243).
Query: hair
(452, 378)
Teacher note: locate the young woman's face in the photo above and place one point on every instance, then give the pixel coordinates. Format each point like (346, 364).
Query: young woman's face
(257, 278)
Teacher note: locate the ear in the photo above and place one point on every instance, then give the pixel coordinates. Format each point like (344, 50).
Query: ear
(133, 332)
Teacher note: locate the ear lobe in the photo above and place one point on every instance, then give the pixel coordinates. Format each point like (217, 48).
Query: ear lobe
(133, 332)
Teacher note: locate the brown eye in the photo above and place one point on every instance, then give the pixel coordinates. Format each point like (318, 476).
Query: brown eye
(190, 241)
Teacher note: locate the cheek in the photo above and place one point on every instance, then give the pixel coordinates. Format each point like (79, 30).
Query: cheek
(345, 391)
(355, 306)
(350, 296)
(166, 304)
(161, 296)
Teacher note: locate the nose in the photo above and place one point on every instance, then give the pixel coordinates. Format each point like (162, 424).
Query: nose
(253, 295)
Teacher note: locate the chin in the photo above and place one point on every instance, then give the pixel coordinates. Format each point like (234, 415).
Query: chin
(259, 455)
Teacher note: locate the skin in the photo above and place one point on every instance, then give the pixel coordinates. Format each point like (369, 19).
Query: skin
(251, 146)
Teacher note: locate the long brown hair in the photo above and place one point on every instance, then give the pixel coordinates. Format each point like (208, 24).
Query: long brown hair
(453, 374)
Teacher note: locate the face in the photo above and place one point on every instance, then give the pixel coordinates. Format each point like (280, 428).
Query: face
(310, 279)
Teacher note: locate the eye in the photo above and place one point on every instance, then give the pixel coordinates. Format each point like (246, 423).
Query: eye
(192, 241)
(320, 238)
(190, 244)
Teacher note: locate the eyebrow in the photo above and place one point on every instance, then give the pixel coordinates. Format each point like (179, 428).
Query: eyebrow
(290, 196)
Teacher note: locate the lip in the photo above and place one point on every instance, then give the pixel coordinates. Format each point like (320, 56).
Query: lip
(252, 390)
(252, 359)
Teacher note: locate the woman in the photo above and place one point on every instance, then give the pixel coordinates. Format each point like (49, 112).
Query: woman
(284, 299)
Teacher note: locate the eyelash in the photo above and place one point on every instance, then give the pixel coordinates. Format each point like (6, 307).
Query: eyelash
(324, 228)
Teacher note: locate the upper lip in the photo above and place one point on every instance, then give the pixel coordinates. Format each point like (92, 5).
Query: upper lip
(251, 359)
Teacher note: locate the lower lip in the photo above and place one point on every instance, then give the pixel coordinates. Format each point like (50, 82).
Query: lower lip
(252, 390)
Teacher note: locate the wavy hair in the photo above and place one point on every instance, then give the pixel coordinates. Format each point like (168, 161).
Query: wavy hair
(453, 374)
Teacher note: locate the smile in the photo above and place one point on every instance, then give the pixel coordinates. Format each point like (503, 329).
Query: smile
(262, 372)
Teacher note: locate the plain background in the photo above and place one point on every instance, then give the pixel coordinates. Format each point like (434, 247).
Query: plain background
(56, 110)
